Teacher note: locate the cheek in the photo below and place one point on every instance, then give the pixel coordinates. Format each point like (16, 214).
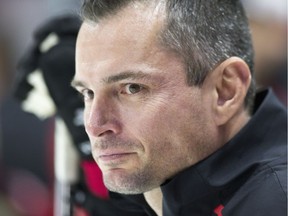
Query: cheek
(171, 136)
(154, 130)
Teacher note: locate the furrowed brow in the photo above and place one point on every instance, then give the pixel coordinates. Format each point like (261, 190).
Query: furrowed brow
(126, 75)
(116, 78)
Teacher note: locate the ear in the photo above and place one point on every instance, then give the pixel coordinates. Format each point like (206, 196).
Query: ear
(232, 81)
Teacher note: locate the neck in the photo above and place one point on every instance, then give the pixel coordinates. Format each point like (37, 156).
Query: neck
(237, 123)
(154, 199)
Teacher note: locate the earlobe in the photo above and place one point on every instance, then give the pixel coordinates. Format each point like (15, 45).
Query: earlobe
(232, 83)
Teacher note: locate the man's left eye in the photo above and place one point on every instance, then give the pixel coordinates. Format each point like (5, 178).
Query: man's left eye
(132, 88)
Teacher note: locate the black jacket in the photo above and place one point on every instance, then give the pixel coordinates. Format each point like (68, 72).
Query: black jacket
(247, 177)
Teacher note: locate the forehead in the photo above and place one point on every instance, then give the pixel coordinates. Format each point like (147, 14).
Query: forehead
(126, 38)
(136, 24)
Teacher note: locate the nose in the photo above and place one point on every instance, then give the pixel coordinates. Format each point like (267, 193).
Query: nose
(100, 118)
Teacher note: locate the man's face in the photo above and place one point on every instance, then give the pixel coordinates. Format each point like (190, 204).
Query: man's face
(144, 122)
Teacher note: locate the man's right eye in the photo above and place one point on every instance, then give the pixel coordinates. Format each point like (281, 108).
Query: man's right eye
(87, 94)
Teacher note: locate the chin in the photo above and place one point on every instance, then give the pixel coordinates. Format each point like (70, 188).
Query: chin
(120, 181)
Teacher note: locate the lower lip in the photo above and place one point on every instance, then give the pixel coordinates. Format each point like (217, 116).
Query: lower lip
(113, 157)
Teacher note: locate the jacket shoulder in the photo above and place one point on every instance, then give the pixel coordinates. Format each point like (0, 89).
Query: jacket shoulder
(264, 194)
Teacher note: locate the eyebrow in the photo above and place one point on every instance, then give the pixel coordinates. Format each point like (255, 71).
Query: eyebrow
(116, 78)
(126, 75)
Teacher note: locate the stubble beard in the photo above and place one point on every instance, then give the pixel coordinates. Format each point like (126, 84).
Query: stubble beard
(138, 182)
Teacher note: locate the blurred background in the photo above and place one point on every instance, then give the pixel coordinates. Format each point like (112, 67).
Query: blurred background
(268, 22)
(26, 143)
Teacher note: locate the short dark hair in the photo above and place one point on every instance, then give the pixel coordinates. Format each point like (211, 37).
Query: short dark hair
(203, 32)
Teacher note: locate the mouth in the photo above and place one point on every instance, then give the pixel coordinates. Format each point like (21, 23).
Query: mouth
(113, 157)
